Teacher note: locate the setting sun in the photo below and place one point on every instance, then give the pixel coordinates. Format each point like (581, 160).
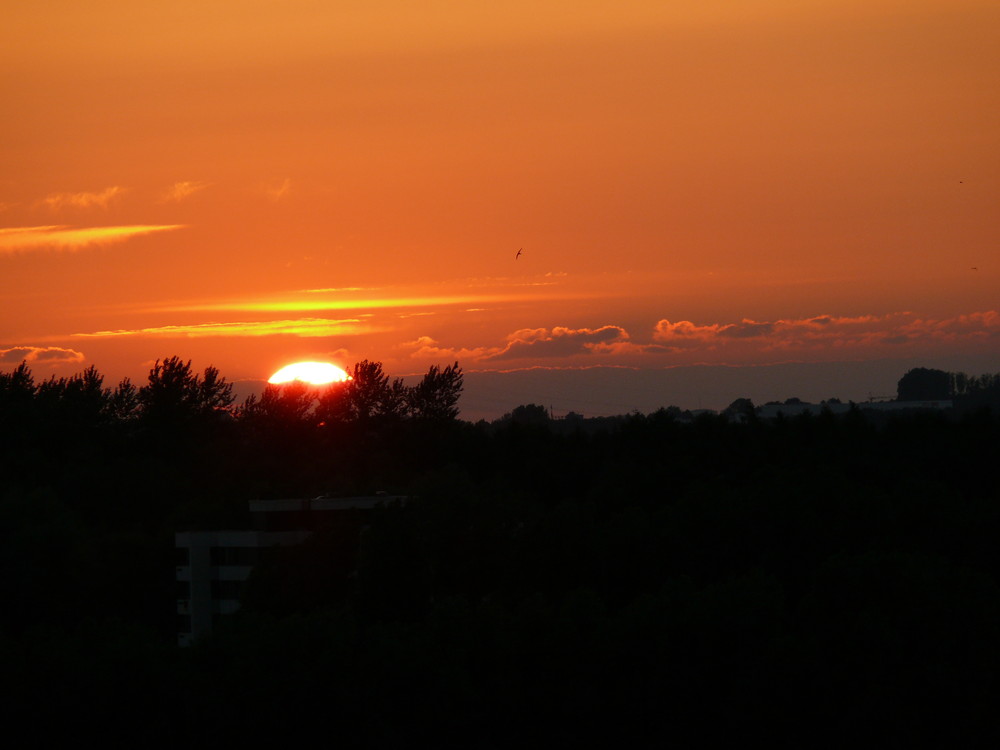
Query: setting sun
(314, 373)
(758, 187)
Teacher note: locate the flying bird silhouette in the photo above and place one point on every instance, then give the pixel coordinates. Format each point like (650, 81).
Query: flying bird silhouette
(518, 253)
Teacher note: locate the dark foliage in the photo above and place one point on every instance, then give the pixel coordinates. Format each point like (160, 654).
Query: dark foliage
(813, 581)
(968, 391)
(922, 384)
(436, 396)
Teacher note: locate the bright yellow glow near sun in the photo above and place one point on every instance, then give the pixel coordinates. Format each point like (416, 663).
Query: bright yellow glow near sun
(314, 373)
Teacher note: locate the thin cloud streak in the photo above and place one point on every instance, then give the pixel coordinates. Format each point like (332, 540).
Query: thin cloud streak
(57, 237)
(547, 279)
(344, 304)
(302, 327)
(180, 191)
(103, 199)
(331, 289)
(279, 191)
(406, 302)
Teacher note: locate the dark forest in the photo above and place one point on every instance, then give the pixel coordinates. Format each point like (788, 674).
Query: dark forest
(814, 581)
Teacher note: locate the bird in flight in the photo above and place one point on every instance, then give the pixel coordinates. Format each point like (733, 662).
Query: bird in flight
(519, 250)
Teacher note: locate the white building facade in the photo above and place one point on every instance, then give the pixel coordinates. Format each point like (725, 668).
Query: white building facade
(212, 567)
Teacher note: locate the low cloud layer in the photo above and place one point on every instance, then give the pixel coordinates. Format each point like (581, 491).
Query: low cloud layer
(686, 342)
(49, 354)
(16, 239)
(828, 331)
(426, 347)
(531, 343)
(560, 342)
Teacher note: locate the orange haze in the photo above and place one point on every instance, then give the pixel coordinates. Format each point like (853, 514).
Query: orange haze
(739, 182)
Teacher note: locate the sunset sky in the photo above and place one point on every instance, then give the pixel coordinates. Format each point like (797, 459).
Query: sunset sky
(722, 182)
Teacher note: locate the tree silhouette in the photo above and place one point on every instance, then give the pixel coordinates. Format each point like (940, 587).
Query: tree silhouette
(75, 402)
(527, 414)
(122, 404)
(215, 395)
(18, 414)
(923, 384)
(366, 396)
(742, 409)
(175, 394)
(288, 403)
(436, 396)
(17, 391)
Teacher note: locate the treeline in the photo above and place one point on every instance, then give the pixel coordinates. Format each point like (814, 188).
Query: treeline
(291, 439)
(175, 394)
(968, 391)
(813, 581)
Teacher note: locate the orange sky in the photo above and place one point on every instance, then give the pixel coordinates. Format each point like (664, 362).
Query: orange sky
(725, 181)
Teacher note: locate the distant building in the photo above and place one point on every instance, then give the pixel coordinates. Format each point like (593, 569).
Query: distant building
(689, 416)
(212, 567)
(771, 411)
(939, 405)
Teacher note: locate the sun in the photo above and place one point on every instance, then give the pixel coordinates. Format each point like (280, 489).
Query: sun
(314, 373)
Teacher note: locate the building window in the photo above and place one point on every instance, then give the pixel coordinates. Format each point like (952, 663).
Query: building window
(183, 623)
(182, 556)
(183, 589)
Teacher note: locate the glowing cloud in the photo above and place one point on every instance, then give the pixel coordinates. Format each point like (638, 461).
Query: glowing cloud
(52, 354)
(560, 342)
(329, 289)
(312, 304)
(427, 348)
(66, 238)
(304, 327)
(546, 343)
(816, 338)
(829, 331)
(56, 201)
